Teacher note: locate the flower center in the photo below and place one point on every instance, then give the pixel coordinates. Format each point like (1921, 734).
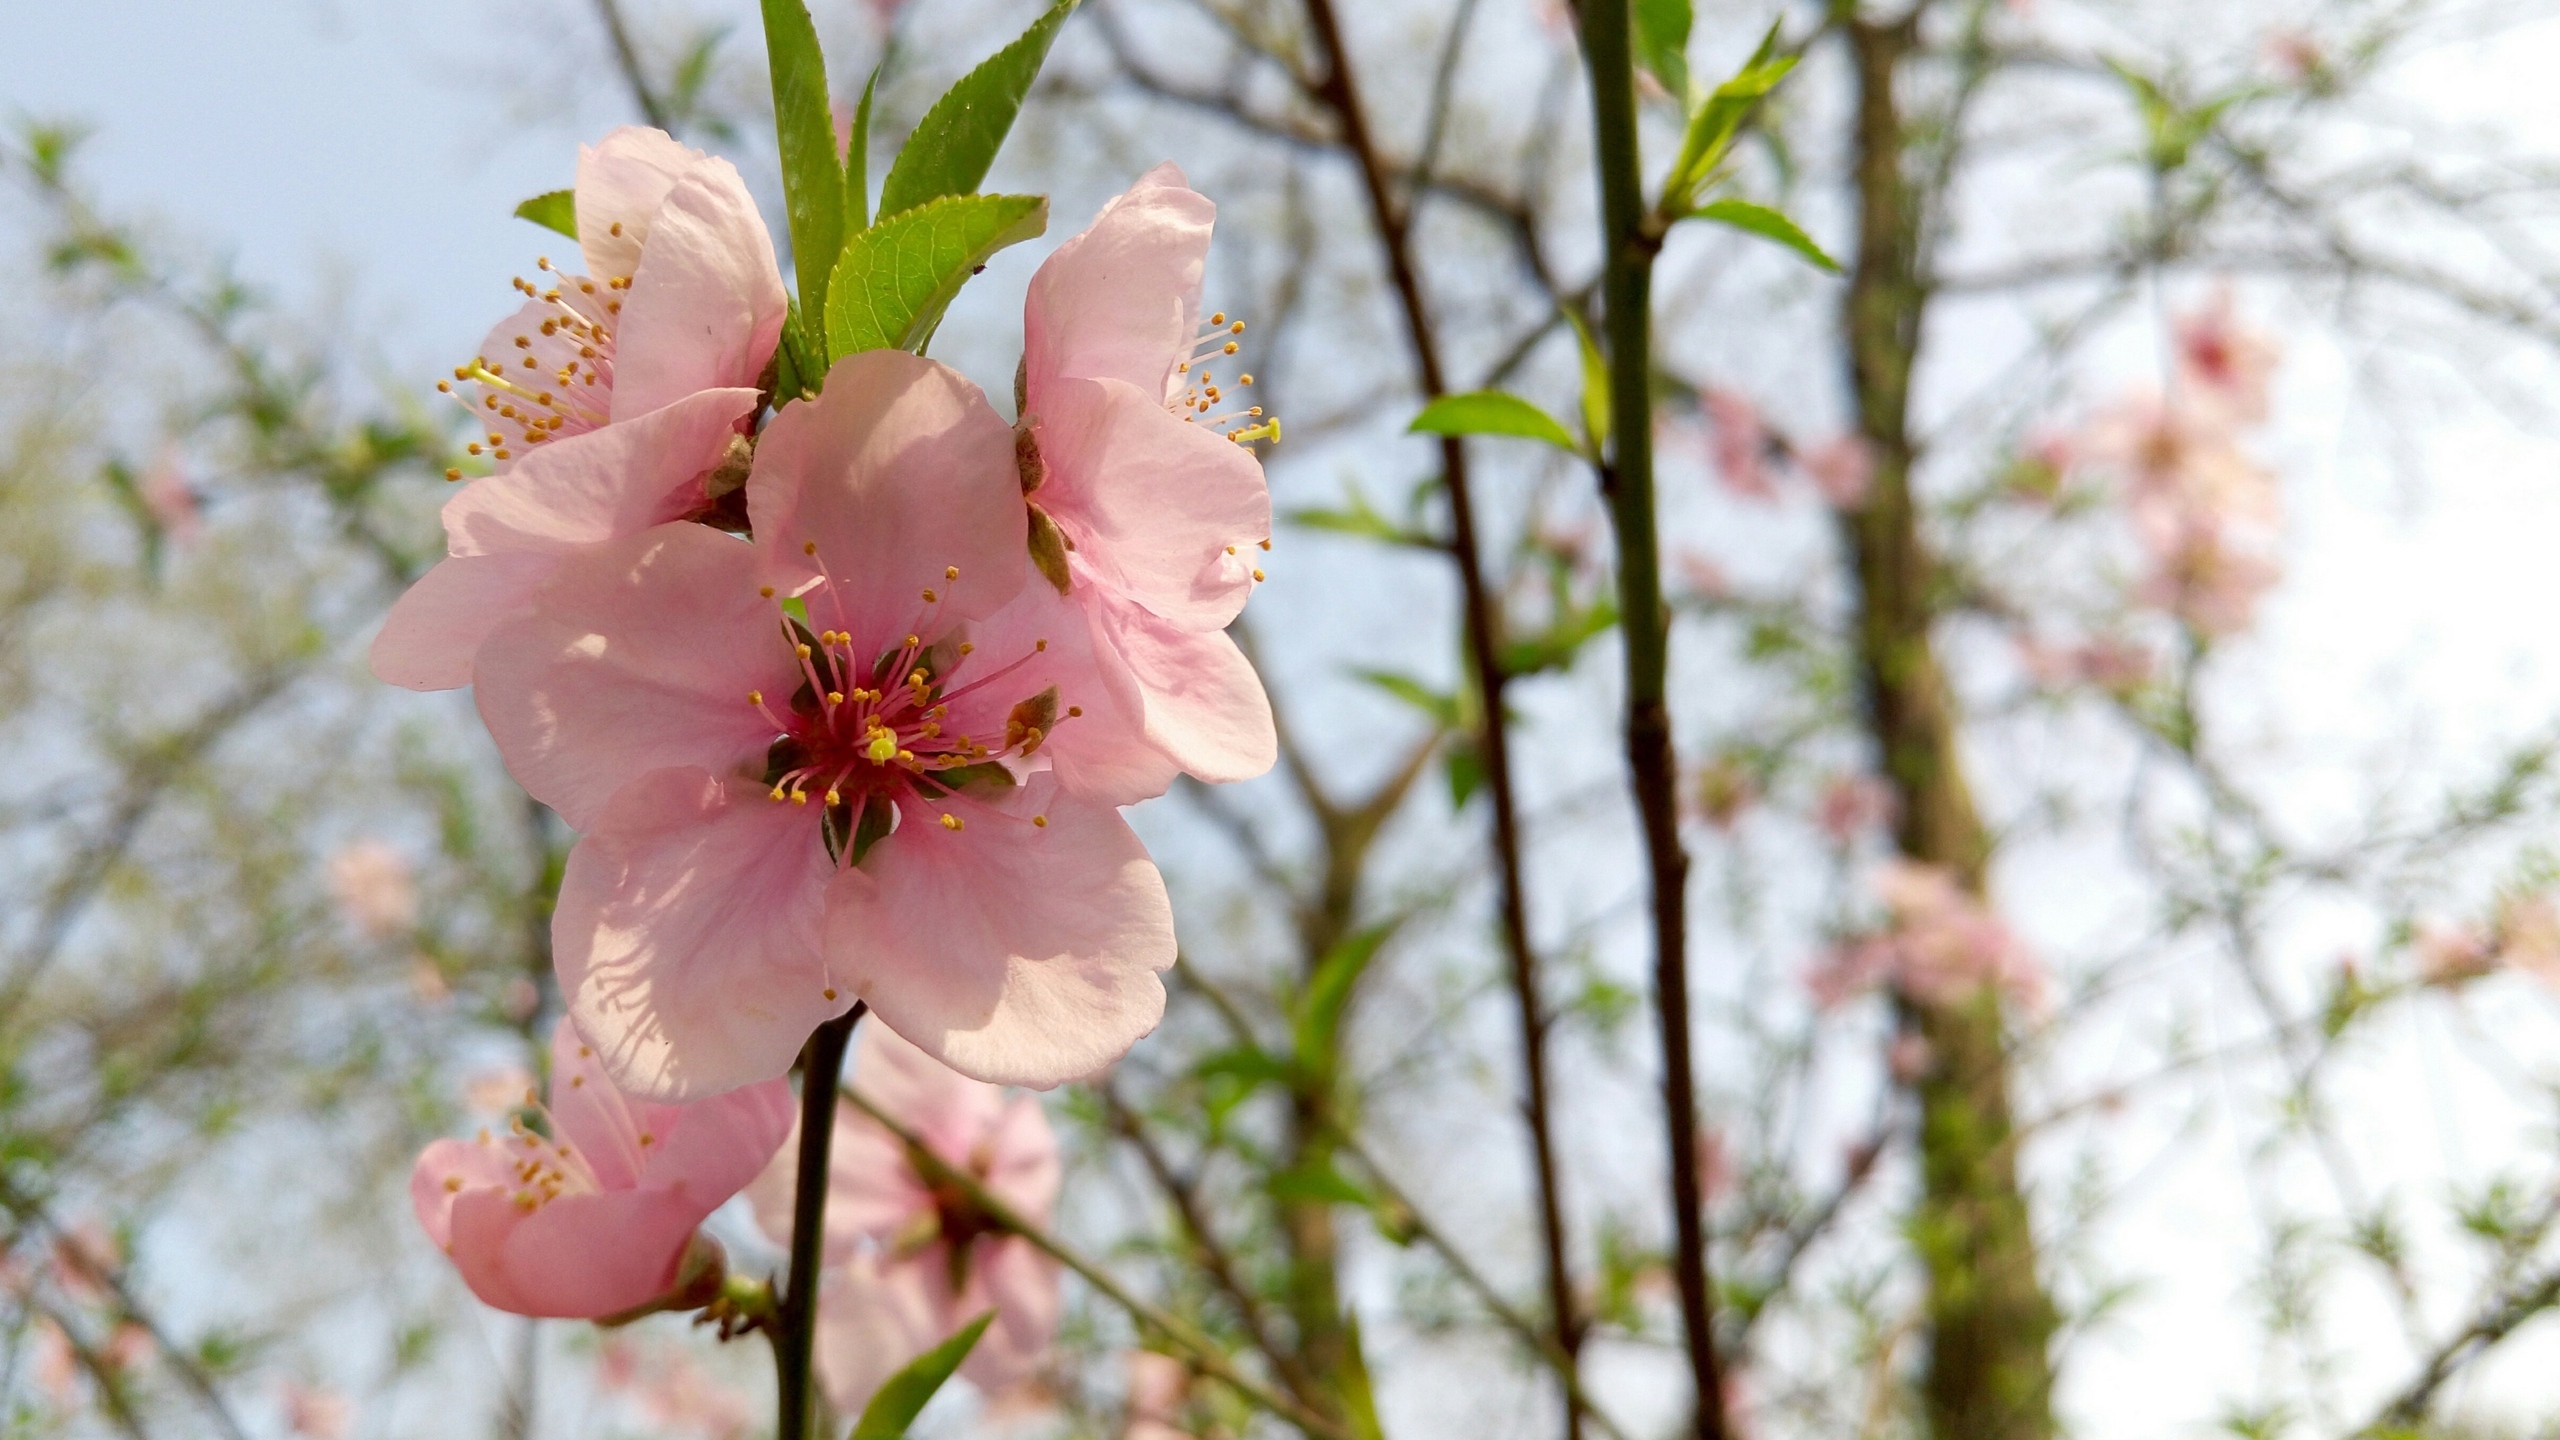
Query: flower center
(1201, 395)
(557, 379)
(871, 727)
(542, 1168)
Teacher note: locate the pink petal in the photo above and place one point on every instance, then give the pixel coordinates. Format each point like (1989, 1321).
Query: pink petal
(872, 1192)
(622, 181)
(706, 303)
(477, 1167)
(1120, 300)
(1205, 705)
(872, 1321)
(1160, 509)
(1021, 1285)
(1024, 1170)
(577, 1257)
(687, 935)
(1102, 754)
(1014, 954)
(951, 1111)
(709, 1148)
(619, 480)
(594, 1117)
(898, 472)
(437, 625)
(638, 655)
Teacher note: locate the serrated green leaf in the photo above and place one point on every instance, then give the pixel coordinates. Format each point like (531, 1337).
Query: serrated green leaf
(896, 277)
(903, 1396)
(552, 210)
(1718, 118)
(812, 183)
(1491, 412)
(1662, 43)
(951, 147)
(1768, 224)
(857, 164)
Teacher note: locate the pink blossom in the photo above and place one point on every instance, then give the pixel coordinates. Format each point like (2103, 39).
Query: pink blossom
(2450, 954)
(2201, 509)
(1739, 441)
(1705, 578)
(2529, 936)
(1841, 468)
(671, 1387)
(912, 1264)
(315, 1413)
(598, 1217)
(609, 404)
(57, 1365)
(2202, 577)
(85, 1254)
(1852, 805)
(2222, 362)
(1160, 513)
(902, 791)
(1159, 1387)
(1909, 1058)
(171, 500)
(374, 889)
(2110, 662)
(1940, 946)
(498, 1089)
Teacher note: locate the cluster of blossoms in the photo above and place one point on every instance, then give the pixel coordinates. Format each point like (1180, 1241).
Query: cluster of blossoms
(1747, 453)
(1939, 946)
(844, 697)
(2522, 934)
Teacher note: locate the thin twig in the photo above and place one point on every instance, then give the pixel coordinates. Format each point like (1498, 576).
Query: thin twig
(627, 60)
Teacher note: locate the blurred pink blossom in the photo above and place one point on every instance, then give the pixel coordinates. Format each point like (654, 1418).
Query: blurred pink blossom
(2108, 662)
(1738, 442)
(85, 1254)
(315, 1412)
(498, 1089)
(2202, 510)
(1940, 946)
(1158, 1387)
(1852, 805)
(171, 500)
(912, 1263)
(2223, 362)
(1705, 578)
(374, 889)
(670, 1386)
(1909, 1058)
(1841, 468)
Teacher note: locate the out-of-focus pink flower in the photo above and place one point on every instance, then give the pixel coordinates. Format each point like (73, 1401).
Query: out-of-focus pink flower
(905, 791)
(2202, 510)
(85, 1254)
(171, 499)
(498, 1089)
(374, 889)
(1852, 805)
(598, 1217)
(610, 402)
(2450, 954)
(2523, 935)
(1715, 1163)
(1908, 1058)
(128, 1347)
(1159, 1386)
(2222, 362)
(2037, 474)
(1841, 468)
(315, 1412)
(2529, 936)
(2109, 662)
(2202, 577)
(911, 1263)
(1941, 946)
(427, 983)
(1739, 442)
(672, 1388)
(1704, 577)
(57, 1365)
(2297, 56)
(1146, 514)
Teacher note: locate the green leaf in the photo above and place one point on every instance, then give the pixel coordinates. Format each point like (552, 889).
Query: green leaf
(1595, 384)
(1443, 709)
(900, 1400)
(1465, 769)
(857, 164)
(1491, 412)
(1362, 519)
(951, 147)
(1328, 993)
(1662, 43)
(552, 210)
(896, 277)
(1768, 224)
(1250, 1064)
(1719, 118)
(1321, 1184)
(812, 184)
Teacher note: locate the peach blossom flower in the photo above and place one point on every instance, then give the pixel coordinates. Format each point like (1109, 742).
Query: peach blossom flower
(611, 403)
(1841, 468)
(374, 889)
(2222, 362)
(1739, 442)
(2200, 508)
(1157, 516)
(85, 1254)
(1940, 946)
(1705, 578)
(671, 1387)
(598, 1216)
(904, 790)
(314, 1412)
(1852, 805)
(912, 1264)
(171, 500)
(1159, 1387)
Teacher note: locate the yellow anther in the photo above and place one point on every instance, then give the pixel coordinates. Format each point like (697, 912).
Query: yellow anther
(913, 642)
(1042, 821)
(966, 647)
(1231, 549)
(950, 572)
(777, 793)
(950, 822)
(575, 1082)
(1231, 345)
(755, 697)
(802, 650)
(473, 447)
(835, 697)
(452, 1184)
(453, 474)
(1244, 379)
(829, 992)
(617, 227)
(1265, 543)
(1218, 319)
(1074, 711)
(765, 590)
(799, 797)
(1039, 644)
(1236, 329)
(906, 757)
(833, 798)
(1258, 575)
(808, 547)
(928, 597)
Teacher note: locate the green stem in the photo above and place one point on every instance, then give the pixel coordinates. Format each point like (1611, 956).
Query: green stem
(794, 1321)
(1628, 248)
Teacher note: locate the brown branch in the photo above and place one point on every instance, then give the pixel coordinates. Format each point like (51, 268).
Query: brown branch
(627, 60)
(2504, 1315)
